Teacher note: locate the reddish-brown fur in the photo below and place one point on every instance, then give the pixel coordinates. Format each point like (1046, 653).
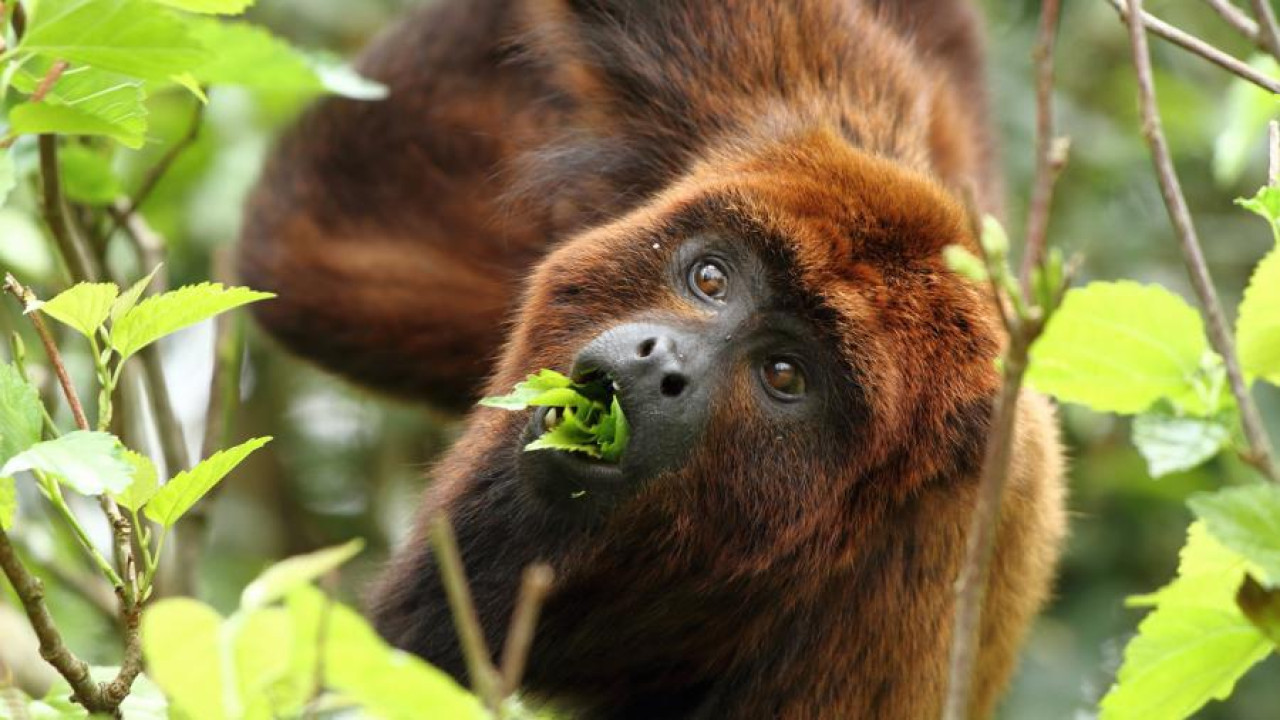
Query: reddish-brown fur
(785, 571)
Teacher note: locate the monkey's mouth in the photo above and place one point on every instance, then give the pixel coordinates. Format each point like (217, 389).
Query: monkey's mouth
(567, 476)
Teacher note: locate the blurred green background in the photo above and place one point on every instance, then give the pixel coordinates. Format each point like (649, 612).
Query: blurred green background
(347, 463)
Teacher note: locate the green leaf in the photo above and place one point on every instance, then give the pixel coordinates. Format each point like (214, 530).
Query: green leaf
(250, 56)
(964, 263)
(20, 417)
(145, 483)
(1258, 327)
(280, 579)
(129, 298)
(386, 682)
(91, 463)
(161, 315)
(1196, 643)
(1246, 519)
(611, 448)
(1119, 347)
(1173, 444)
(8, 503)
(260, 644)
(83, 307)
(8, 174)
(87, 175)
(186, 488)
(210, 7)
(181, 640)
(132, 37)
(530, 389)
(85, 101)
(1266, 204)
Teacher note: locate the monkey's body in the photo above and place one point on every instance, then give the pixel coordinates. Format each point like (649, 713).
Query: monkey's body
(542, 176)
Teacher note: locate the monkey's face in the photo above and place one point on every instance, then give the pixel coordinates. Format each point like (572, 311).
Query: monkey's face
(779, 328)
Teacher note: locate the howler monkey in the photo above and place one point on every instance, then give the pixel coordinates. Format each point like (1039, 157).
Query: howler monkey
(736, 209)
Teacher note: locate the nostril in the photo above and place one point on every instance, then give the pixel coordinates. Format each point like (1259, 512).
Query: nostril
(673, 384)
(645, 348)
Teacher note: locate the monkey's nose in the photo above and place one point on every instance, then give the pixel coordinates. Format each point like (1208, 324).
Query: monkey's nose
(652, 365)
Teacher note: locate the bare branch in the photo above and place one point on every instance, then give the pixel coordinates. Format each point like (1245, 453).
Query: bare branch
(31, 307)
(533, 591)
(1268, 34)
(71, 246)
(30, 592)
(1051, 153)
(1199, 47)
(1236, 18)
(49, 80)
(1259, 453)
(479, 663)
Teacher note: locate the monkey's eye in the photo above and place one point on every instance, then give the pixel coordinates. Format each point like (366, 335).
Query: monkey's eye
(709, 280)
(783, 378)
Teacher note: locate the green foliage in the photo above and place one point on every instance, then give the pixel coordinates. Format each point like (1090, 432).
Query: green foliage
(85, 101)
(964, 263)
(1247, 520)
(131, 37)
(146, 481)
(583, 417)
(1262, 606)
(181, 641)
(213, 7)
(8, 176)
(177, 496)
(1248, 108)
(91, 463)
(283, 577)
(20, 417)
(1172, 444)
(1195, 644)
(1258, 327)
(83, 307)
(87, 176)
(1119, 347)
(8, 502)
(161, 315)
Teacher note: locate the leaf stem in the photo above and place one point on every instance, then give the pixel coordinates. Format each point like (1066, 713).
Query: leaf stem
(479, 664)
(534, 587)
(1259, 454)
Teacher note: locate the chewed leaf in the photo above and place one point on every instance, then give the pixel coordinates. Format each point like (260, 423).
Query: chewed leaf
(611, 450)
(581, 417)
(532, 387)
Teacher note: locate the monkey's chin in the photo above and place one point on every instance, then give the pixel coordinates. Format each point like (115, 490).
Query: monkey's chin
(574, 481)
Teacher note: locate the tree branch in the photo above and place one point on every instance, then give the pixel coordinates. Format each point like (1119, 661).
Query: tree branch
(1236, 18)
(31, 307)
(1259, 453)
(1268, 34)
(30, 592)
(1051, 152)
(515, 653)
(1199, 47)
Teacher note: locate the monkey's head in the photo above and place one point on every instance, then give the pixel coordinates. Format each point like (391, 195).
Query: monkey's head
(783, 333)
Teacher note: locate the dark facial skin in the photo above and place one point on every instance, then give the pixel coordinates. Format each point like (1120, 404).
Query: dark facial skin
(667, 374)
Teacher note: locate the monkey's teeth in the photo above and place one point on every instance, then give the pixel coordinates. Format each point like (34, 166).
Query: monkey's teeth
(551, 419)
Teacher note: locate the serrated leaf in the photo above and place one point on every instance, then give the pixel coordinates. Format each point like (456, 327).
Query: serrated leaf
(186, 488)
(1266, 204)
(280, 579)
(145, 483)
(161, 315)
(1194, 646)
(87, 176)
(8, 503)
(91, 463)
(1172, 444)
(210, 7)
(1118, 347)
(85, 101)
(250, 56)
(132, 37)
(129, 298)
(1246, 519)
(533, 386)
(20, 417)
(83, 307)
(1258, 326)
(181, 640)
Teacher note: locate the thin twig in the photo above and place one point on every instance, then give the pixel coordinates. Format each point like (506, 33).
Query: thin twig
(158, 171)
(1259, 453)
(515, 653)
(1051, 152)
(1268, 33)
(1199, 47)
(74, 252)
(30, 591)
(1236, 18)
(484, 681)
(49, 80)
(31, 307)
(1273, 153)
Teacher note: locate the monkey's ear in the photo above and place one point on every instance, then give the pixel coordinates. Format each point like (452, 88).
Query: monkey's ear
(556, 35)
